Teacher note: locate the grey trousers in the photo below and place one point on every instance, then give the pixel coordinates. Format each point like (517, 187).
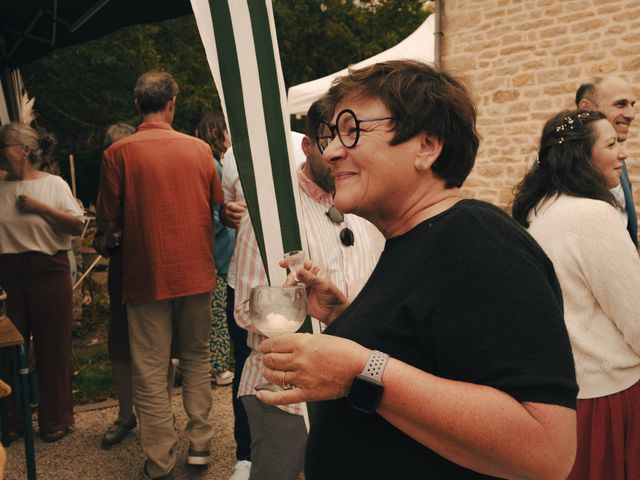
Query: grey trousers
(278, 441)
(150, 332)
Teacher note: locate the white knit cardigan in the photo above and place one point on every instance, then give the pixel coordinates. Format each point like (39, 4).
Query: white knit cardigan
(599, 272)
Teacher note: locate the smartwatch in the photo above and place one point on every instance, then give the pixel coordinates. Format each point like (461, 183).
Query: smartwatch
(366, 390)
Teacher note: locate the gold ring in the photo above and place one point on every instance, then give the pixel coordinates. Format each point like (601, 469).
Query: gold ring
(284, 385)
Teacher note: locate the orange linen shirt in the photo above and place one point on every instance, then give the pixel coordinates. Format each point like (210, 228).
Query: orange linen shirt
(160, 186)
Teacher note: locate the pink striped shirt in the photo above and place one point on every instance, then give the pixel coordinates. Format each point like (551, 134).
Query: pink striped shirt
(348, 267)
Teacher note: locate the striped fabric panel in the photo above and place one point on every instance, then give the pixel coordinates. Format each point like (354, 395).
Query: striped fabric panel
(242, 54)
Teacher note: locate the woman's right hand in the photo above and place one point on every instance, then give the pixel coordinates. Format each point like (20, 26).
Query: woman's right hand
(325, 301)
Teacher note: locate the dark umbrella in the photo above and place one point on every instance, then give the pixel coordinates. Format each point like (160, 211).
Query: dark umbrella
(29, 29)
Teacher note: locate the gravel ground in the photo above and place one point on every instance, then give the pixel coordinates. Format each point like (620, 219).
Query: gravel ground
(79, 456)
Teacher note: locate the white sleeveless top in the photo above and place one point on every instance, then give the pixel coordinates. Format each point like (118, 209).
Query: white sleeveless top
(28, 232)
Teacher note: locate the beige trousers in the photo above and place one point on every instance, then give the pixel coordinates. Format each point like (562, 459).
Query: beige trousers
(150, 331)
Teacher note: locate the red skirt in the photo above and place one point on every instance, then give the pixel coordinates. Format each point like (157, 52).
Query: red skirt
(609, 437)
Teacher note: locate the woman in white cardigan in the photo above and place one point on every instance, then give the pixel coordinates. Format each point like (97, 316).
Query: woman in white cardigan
(569, 204)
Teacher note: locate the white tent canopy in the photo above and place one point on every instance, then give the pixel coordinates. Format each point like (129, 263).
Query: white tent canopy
(417, 46)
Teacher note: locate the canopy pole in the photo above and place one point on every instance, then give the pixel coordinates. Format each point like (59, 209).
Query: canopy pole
(10, 95)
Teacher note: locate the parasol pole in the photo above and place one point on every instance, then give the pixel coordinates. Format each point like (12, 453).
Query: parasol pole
(87, 272)
(72, 167)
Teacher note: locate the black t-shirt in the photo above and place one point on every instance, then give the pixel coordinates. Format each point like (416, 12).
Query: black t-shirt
(467, 295)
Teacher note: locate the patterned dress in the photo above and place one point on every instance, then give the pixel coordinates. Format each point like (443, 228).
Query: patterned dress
(219, 341)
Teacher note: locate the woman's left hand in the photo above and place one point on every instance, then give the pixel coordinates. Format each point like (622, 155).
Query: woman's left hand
(321, 367)
(27, 204)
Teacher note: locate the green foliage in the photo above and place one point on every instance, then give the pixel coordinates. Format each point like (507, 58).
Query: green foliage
(92, 381)
(91, 355)
(81, 90)
(319, 37)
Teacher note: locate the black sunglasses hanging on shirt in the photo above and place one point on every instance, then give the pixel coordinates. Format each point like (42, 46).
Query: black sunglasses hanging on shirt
(346, 234)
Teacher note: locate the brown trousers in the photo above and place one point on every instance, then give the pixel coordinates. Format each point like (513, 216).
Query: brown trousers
(39, 303)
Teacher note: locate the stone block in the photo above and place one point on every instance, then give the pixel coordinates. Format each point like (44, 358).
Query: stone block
(517, 49)
(566, 48)
(627, 15)
(555, 31)
(502, 96)
(589, 25)
(631, 66)
(606, 67)
(616, 29)
(464, 21)
(523, 79)
(568, 60)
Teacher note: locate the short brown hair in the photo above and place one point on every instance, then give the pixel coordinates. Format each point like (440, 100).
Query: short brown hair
(420, 98)
(153, 91)
(314, 116)
(589, 89)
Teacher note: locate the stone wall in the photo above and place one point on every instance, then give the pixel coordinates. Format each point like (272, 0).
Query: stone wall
(524, 60)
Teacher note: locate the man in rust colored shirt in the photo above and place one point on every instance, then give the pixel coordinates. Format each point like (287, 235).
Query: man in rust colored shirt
(158, 187)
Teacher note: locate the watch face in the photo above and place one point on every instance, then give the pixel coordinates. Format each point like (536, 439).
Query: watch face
(365, 394)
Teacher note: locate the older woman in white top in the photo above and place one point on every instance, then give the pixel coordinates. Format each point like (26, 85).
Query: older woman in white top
(568, 206)
(38, 216)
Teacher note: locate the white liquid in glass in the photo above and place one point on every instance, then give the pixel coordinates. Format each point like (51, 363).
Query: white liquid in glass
(276, 324)
(278, 310)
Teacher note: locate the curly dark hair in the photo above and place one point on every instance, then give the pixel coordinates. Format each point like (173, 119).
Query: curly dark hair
(564, 165)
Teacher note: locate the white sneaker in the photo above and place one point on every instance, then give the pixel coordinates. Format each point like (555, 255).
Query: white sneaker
(224, 378)
(241, 471)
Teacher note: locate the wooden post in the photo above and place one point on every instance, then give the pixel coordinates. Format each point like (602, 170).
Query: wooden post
(72, 167)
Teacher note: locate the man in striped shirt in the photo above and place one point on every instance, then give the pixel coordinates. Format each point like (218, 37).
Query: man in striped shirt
(348, 247)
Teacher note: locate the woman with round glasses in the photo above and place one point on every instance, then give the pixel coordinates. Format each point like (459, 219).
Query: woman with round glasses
(38, 216)
(568, 207)
(453, 362)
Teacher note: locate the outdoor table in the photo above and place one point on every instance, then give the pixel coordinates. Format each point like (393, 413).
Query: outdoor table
(11, 337)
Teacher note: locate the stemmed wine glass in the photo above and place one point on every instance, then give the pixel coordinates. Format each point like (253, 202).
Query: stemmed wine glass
(277, 311)
(295, 260)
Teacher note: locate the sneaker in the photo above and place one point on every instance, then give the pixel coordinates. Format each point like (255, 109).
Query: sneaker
(224, 378)
(241, 471)
(198, 457)
(116, 432)
(145, 476)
